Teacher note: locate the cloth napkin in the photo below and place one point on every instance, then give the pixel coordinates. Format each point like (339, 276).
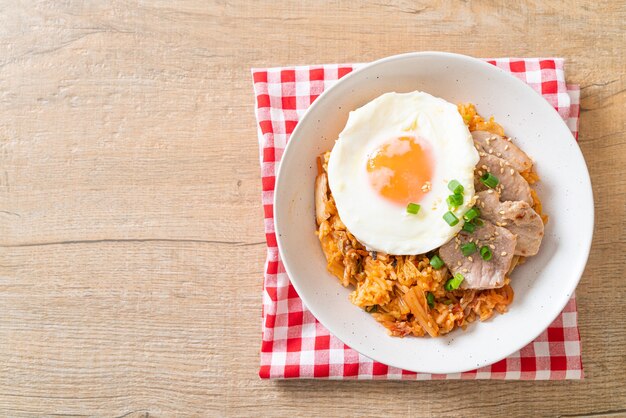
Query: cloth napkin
(295, 344)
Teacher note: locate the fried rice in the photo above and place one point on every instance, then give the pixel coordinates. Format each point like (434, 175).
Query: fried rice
(404, 293)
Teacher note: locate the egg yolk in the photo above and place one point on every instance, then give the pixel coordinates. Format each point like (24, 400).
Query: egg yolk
(400, 170)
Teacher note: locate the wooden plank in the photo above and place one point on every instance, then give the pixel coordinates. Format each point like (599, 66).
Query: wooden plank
(131, 243)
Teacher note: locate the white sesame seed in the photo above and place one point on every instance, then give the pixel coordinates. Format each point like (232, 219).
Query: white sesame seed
(479, 172)
(501, 212)
(503, 253)
(498, 224)
(470, 258)
(458, 263)
(504, 224)
(482, 204)
(484, 167)
(493, 247)
(502, 170)
(498, 154)
(490, 191)
(456, 246)
(465, 270)
(506, 147)
(512, 171)
(496, 233)
(490, 150)
(482, 154)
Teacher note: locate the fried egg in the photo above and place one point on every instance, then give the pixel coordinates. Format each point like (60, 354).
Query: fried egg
(401, 149)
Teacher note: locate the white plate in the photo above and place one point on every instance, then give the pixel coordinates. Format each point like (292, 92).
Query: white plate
(542, 286)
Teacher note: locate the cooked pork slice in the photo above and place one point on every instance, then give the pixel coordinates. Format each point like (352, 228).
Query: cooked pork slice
(512, 185)
(502, 147)
(321, 198)
(518, 217)
(478, 273)
(524, 222)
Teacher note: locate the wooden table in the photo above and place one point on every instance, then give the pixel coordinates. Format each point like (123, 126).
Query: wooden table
(130, 220)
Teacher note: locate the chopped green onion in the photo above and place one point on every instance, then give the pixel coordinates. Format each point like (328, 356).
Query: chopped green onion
(430, 298)
(468, 249)
(489, 180)
(450, 218)
(469, 227)
(436, 262)
(455, 200)
(485, 253)
(478, 222)
(413, 208)
(471, 214)
(455, 187)
(454, 282)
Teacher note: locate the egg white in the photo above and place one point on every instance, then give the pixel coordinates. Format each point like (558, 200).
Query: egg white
(376, 222)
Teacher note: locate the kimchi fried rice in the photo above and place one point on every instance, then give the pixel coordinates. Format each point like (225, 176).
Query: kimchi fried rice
(405, 293)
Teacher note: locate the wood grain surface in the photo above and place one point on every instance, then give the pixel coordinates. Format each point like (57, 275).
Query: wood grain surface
(131, 233)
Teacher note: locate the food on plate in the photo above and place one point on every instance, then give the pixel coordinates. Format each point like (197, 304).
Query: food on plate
(425, 208)
(511, 185)
(517, 216)
(461, 255)
(501, 147)
(397, 150)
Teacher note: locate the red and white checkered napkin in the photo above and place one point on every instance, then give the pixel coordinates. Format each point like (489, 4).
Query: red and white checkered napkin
(295, 344)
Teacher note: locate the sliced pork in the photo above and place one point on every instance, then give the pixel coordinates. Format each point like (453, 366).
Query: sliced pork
(518, 217)
(512, 185)
(502, 147)
(478, 273)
